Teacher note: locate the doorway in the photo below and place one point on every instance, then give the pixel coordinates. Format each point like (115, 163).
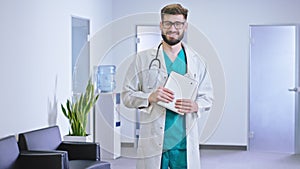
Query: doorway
(80, 60)
(273, 77)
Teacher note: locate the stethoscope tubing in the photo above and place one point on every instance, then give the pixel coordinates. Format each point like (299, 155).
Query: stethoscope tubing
(156, 56)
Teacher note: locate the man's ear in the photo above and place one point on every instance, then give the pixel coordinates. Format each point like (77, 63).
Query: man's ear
(160, 25)
(186, 26)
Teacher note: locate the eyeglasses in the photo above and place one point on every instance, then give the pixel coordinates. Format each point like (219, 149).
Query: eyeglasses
(168, 24)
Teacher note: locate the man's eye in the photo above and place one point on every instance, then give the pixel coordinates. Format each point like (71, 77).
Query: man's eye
(168, 23)
(178, 23)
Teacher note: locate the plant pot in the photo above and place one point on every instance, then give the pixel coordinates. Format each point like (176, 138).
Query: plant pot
(87, 138)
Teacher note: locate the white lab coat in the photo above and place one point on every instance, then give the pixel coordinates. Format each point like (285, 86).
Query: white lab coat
(135, 94)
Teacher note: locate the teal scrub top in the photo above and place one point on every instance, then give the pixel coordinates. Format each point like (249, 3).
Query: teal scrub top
(175, 134)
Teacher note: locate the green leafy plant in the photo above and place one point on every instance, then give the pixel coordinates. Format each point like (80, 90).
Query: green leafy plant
(77, 111)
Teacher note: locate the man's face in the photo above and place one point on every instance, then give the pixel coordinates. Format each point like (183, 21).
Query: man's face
(173, 28)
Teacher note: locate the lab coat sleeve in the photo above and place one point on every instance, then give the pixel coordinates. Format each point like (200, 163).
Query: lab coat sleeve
(132, 95)
(205, 94)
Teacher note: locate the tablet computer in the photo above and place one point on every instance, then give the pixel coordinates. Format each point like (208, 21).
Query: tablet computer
(183, 88)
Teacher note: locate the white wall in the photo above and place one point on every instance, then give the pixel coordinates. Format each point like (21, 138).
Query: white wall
(226, 25)
(35, 52)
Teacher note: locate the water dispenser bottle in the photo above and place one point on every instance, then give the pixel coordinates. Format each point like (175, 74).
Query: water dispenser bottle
(106, 78)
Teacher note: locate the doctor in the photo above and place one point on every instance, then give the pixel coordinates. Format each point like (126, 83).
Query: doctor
(168, 139)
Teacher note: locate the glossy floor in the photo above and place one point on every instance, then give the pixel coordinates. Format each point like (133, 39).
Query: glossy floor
(226, 159)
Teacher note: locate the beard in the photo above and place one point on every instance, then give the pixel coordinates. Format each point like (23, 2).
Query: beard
(172, 41)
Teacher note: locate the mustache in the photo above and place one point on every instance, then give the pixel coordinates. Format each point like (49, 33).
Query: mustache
(170, 42)
(172, 32)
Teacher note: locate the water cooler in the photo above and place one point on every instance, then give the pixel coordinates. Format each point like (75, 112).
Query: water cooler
(107, 116)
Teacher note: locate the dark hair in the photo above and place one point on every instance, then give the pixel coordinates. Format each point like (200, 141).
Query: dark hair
(174, 9)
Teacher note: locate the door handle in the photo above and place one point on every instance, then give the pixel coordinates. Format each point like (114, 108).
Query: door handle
(295, 89)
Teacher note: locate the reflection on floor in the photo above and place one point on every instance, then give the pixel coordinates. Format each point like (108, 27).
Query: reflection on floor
(225, 159)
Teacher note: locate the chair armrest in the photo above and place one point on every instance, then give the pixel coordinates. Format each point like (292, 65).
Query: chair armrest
(43, 159)
(81, 150)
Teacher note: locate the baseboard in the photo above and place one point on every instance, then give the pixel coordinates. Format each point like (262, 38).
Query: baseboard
(127, 144)
(212, 147)
(223, 147)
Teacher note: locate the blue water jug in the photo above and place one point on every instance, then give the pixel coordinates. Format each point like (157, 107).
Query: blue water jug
(106, 78)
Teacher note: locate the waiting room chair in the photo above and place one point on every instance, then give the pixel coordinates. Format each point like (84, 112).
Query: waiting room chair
(12, 158)
(80, 155)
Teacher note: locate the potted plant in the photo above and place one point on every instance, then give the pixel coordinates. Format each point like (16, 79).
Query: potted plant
(77, 113)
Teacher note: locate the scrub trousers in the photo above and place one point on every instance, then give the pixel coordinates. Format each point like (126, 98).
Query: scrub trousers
(174, 159)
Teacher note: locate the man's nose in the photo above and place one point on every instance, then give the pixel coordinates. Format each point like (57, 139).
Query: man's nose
(172, 27)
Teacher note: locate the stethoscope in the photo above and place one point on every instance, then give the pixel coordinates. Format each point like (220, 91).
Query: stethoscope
(156, 56)
(149, 86)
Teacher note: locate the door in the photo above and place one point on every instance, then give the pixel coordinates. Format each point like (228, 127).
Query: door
(272, 73)
(80, 54)
(148, 37)
(80, 59)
